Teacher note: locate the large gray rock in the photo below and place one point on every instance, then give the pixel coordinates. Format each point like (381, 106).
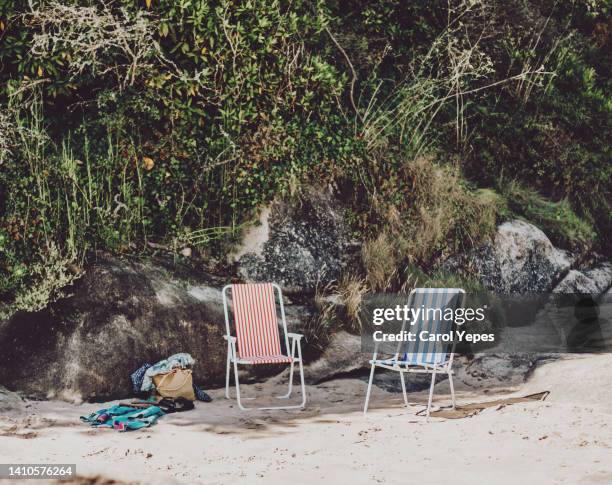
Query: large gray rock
(10, 402)
(298, 245)
(121, 315)
(490, 370)
(594, 281)
(341, 356)
(520, 259)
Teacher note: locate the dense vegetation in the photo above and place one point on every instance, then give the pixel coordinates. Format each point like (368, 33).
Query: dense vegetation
(135, 125)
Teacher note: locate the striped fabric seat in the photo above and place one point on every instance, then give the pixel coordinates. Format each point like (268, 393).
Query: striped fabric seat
(436, 300)
(270, 359)
(257, 335)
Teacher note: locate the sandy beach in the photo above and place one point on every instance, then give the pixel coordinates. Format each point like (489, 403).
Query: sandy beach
(197, 192)
(565, 439)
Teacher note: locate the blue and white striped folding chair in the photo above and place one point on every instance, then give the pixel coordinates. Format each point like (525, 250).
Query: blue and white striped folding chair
(424, 357)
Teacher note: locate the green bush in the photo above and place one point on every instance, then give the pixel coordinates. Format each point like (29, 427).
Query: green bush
(552, 137)
(211, 109)
(132, 126)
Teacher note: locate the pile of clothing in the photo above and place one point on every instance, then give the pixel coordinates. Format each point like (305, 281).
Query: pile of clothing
(158, 384)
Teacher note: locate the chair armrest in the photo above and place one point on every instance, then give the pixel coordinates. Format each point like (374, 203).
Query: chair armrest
(296, 336)
(231, 339)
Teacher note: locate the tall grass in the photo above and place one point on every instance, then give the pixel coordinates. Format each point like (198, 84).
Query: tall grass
(40, 260)
(557, 219)
(380, 260)
(418, 197)
(59, 207)
(69, 199)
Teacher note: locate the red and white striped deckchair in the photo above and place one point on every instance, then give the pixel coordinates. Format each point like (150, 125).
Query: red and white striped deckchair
(257, 339)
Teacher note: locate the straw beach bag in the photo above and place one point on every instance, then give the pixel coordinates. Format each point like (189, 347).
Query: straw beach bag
(176, 383)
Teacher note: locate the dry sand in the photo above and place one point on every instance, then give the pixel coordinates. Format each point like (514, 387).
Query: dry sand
(565, 439)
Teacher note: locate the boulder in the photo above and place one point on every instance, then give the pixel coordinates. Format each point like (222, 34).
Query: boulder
(121, 314)
(505, 369)
(341, 356)
(520, 259)
(594, 281)
(10, 402)
(297, 244)
(484, 371)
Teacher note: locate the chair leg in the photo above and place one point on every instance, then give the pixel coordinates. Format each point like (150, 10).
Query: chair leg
(431, 390)
(367, 401)
(238, 387)
(286, 396)
(302, 381)
(227, 375)
(404, 388)
(452, 387)
(303, 384)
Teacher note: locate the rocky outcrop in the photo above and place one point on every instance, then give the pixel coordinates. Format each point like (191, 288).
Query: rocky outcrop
(121, 314)
(520, 259)
(494, 370)
(10, 402)
(298, 244)
(341, 356)
(593, 281)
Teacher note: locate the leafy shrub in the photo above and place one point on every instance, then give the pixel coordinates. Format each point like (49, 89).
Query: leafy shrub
(552, 137)
(46, 282)
(131, 126)
(183, 118)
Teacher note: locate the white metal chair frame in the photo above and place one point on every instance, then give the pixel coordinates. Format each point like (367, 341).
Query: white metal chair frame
(402, 367)
(232, 357)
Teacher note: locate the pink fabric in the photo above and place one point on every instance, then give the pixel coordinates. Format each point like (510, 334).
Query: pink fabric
(272, 359)
(256, 322)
